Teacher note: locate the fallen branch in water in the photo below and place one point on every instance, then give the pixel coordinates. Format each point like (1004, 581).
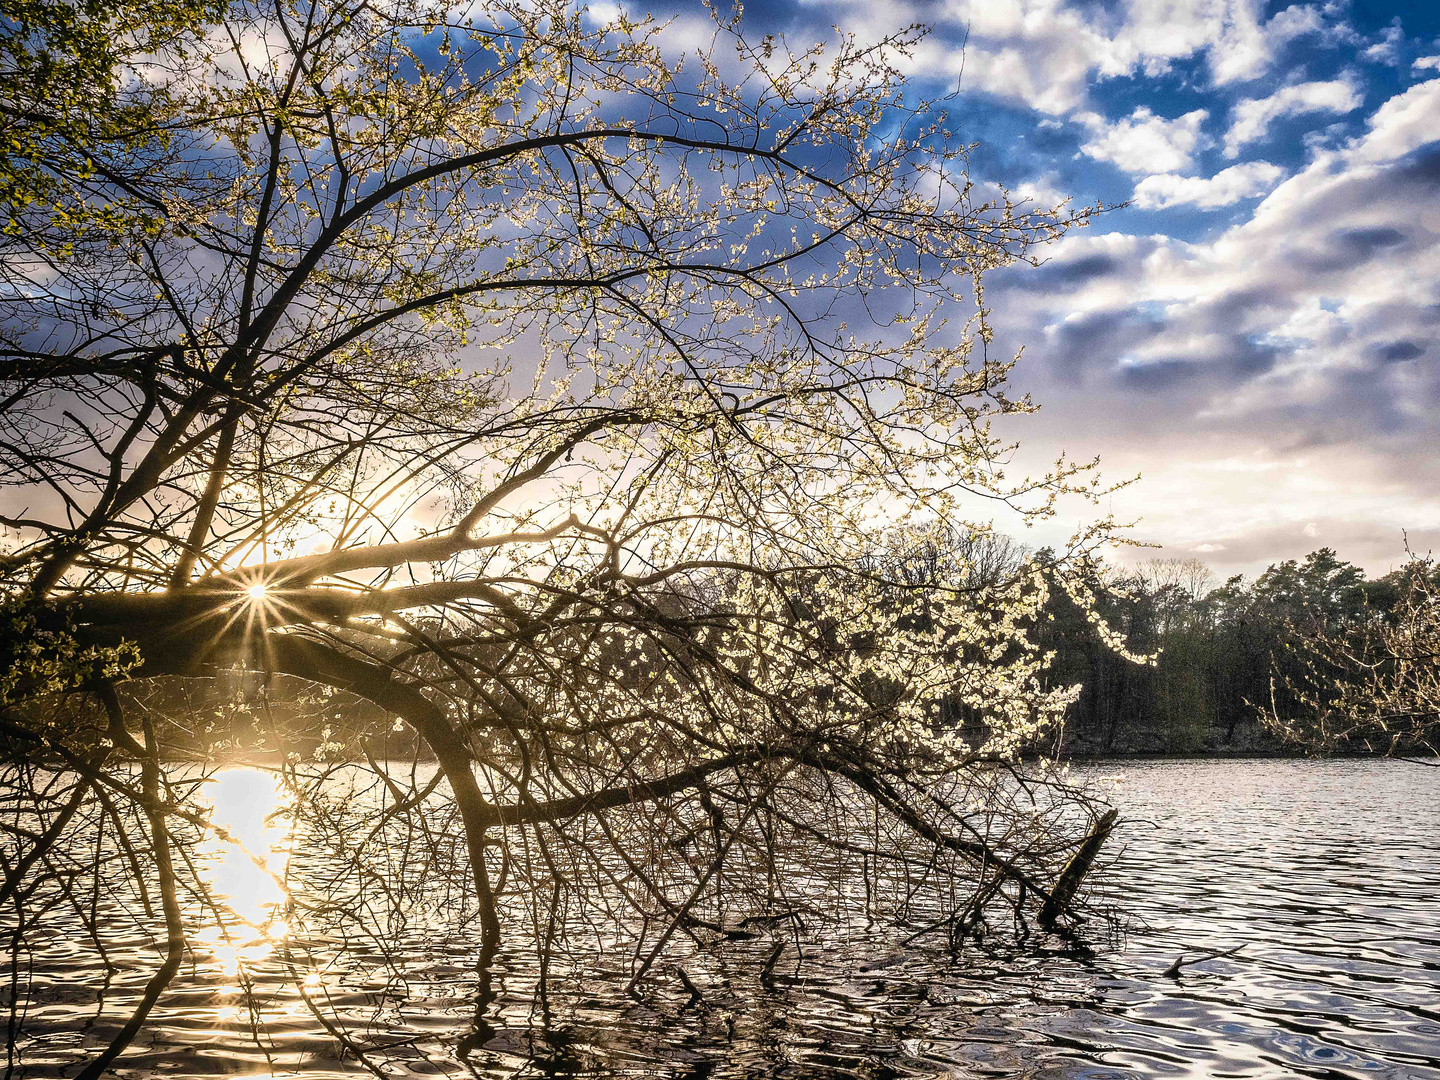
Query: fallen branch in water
(685, 981)
(1068, 884)
(1173, 971)
(767, 970)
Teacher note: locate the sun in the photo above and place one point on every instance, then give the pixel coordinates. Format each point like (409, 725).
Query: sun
(258, 591)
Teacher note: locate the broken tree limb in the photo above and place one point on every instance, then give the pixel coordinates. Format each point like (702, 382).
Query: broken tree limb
(767, 969)
(1173, 971)
(688, 983)
(1068, 883)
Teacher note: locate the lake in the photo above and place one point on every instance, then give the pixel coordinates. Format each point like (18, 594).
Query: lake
(1325, 876)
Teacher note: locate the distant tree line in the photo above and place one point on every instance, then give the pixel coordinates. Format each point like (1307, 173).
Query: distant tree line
(1311, 651)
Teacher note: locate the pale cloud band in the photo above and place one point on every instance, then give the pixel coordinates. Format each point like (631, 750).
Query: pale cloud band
(1251, 119)
(1045, 53)
(1225, 188)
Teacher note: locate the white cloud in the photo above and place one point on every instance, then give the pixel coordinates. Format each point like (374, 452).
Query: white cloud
(1402, 124)
(1041, 190)
(1223, 189)
(1387, 49)
(1295, 21)
(1306, 332)
(1251, 119)
(1045, 53)
(1305, 339)
(1145, 143)
(602, 13)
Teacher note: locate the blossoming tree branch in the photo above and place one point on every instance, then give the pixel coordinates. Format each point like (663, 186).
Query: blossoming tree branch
(569, 396)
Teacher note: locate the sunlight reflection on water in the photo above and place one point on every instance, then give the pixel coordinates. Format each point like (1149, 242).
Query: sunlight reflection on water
(244, 866)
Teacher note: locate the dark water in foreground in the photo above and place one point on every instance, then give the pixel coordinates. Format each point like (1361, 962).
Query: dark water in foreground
(1328, 874)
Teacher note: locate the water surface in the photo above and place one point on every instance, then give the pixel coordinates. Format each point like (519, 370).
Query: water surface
(1325, 875)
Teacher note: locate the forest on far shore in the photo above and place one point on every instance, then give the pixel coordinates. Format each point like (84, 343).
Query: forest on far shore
(1225, 653)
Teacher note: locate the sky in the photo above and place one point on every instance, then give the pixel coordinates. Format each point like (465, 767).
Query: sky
(1253, 332)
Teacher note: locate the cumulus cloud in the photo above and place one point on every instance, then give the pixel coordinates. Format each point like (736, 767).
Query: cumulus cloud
(1046, 53)
(1302, 339)
(1040, 190)
(1297, 21)
(1387, 49)
(1225, 188)
(1302, 342)
(1404, 123)
(1251, 119)
(1145, 143)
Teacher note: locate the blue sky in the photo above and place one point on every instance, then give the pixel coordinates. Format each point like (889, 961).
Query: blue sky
(1254, 333)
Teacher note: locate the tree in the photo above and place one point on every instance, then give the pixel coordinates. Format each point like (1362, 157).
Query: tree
(1323, 593)
(1371, 684)
(560, 400)
(61, 68)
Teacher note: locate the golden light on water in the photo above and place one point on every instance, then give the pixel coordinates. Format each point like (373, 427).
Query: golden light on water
(244, 867)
